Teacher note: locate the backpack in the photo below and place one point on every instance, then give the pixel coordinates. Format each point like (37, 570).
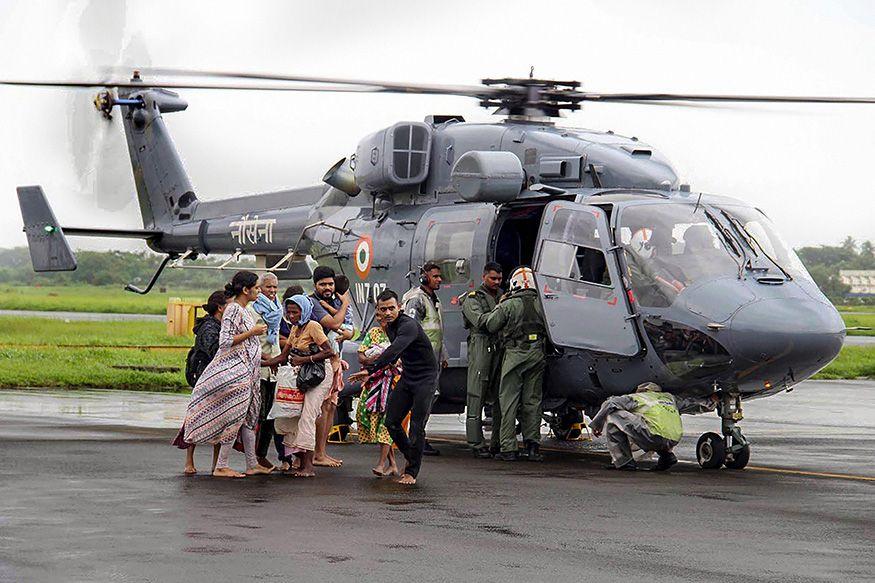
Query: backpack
(195, 363)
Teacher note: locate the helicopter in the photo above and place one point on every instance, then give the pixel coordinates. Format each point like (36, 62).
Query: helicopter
(640, 278)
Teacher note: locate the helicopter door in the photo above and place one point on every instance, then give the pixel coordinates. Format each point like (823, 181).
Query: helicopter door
(457, 239)
(579, 281)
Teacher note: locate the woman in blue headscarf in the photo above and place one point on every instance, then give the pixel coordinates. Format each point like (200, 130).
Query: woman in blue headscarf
(300, 432)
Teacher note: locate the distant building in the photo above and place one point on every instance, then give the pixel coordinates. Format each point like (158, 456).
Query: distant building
(862, 281)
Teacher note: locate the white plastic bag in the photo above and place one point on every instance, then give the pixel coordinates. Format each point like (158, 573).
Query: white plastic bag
(288, 401)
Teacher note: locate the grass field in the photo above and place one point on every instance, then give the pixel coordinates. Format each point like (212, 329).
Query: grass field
(866, 320)
(869, 309)
(15, 330)
(83, 298)
(853, 362)
(53, 353)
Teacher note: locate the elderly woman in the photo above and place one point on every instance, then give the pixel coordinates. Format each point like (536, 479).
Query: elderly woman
(300, 432)
(226, 398)
(372, 402)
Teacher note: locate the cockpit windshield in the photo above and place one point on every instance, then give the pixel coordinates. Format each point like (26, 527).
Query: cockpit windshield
(669, 247)
(766, 240)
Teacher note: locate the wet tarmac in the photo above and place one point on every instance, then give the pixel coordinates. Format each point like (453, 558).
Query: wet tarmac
(859, 340)
(91, 491)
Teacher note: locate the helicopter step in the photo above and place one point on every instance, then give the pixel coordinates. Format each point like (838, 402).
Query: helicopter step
(732, 450)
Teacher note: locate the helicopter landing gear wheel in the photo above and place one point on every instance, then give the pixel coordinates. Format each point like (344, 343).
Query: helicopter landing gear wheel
(567, 426)
(739, 459)
(737, 447)
(710, 451)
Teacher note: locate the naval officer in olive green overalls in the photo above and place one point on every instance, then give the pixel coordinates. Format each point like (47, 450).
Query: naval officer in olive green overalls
(520, 319)
(483, 361)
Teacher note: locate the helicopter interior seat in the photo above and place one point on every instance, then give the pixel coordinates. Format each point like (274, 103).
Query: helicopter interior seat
(699, 250)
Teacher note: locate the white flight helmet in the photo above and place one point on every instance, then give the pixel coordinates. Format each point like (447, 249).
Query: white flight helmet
(522, 278)
(640, 243)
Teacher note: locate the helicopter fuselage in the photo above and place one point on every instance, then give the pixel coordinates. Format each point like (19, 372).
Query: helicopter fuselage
(640, 279)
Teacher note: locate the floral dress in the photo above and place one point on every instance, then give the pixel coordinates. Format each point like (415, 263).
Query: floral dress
(227, 394)
(375, 391)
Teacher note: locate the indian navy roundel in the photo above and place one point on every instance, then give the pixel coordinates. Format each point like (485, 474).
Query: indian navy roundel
(364, 256)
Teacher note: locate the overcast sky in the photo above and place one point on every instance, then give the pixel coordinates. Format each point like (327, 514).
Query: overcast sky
(805, 166)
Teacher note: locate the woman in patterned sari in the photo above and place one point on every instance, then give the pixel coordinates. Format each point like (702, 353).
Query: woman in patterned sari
(226, 398)
(372, 402)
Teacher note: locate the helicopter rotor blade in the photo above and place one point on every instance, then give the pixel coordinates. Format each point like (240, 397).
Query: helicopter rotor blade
(90, 84)
(478, 91)
(519, 93)
(642, 98)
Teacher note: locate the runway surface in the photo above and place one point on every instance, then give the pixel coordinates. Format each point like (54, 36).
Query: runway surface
(91, 491)
(859, 340)
(87, 316)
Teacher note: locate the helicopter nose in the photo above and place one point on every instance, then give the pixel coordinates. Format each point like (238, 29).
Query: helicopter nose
(776, 336)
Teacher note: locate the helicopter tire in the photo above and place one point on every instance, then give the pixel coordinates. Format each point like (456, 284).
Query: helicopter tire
(567, 426)
(739, 460)
(711, 451)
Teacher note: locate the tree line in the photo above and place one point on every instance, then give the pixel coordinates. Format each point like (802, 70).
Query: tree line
(112, 268)
(825, 261)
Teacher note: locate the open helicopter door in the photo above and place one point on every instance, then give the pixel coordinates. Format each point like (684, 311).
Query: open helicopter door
(457, 239)
(579, 281)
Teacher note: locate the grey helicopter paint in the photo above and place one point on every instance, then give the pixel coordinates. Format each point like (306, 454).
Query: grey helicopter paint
(640, 279)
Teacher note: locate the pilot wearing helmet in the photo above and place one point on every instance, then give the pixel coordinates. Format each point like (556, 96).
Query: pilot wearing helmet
(519, 319)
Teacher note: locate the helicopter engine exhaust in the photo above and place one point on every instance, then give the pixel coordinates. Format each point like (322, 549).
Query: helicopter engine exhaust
(341, 177)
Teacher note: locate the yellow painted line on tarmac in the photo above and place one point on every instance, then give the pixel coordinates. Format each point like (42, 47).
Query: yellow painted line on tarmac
(812, 474)
(785, 471)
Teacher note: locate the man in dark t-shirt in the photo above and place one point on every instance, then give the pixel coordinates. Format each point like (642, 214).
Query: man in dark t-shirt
(414, 391)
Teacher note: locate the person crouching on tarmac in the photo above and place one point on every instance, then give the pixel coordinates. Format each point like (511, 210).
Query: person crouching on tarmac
(520, 319)
(649, 418)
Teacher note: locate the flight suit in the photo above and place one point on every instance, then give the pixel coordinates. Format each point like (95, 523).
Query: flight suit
(520, 319)
(483, 366)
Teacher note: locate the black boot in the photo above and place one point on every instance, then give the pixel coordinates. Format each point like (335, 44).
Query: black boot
(665, 461)
(482, 453)
(533, 451)
(429, 450)
(507, 456)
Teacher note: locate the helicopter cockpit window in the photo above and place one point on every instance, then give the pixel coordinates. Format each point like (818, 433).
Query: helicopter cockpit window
(766, 239)
(668, 248)
(451, 245)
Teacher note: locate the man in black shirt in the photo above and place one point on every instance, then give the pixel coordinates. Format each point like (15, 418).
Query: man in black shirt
(414, 390)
